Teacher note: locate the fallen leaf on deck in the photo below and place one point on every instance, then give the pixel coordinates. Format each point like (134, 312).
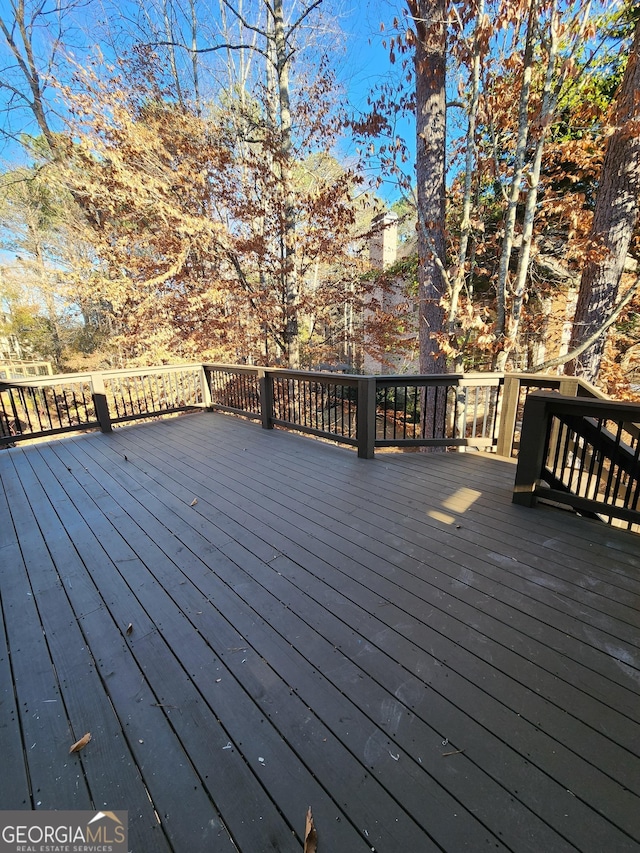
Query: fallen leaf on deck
(80, 744)
(194, 502)
(129, 629)
(310, 835)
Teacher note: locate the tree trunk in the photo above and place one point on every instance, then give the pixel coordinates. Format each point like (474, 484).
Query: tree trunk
(429, 18)
(285, 154)
(614, 220)
(470, 161)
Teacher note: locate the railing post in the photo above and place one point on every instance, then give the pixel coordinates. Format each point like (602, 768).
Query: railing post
(534, 439)
(569, 386)
(366, 417)
(100, 402)
(205, 387)
(265, 379)
(508, 412)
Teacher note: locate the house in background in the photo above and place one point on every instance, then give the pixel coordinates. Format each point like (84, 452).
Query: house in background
(10, 349)
(390, 339)
(13, 364)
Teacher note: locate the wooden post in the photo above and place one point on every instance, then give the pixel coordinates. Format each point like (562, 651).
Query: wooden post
(265, 379)
(508, 412)
(533, 448)
(100, 402)
(366, 415)
(569, 386)
(205, 387)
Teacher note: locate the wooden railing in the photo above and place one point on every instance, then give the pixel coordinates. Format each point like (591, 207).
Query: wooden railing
(44, 407)
(19, 369)
(517, 387)
(320, 404)
(581, 453)
(476, 410)
(39, 408)
(454, 410)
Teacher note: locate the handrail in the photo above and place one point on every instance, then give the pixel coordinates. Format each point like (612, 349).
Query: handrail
(582, 453)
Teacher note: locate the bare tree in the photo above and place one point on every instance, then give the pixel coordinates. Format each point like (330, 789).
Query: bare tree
(35, 37)
(516, 182)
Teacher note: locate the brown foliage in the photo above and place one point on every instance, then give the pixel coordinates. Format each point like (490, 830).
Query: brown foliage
(187, 216)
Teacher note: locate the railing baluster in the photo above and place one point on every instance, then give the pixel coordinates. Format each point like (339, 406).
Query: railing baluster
(76, 406)
(155, 392)
(5, 421)
(615, 465)
(67, 406)
(22, 396)
(19, 395)
(627, 496)
(41, 407)
(444, 393)
(56, 403)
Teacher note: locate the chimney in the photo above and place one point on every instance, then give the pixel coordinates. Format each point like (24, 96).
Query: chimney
(383, 249)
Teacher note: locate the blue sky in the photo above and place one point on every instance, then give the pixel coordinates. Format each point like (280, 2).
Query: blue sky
(366, 63)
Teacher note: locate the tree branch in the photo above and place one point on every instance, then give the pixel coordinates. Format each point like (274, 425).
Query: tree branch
(15, 91)
(232, 257)
(29, 71)
(244, 21)
(224, 46)
(611, 319)
(305, 14)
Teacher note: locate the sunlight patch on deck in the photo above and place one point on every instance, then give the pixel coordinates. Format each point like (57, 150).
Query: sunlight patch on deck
(459, 501)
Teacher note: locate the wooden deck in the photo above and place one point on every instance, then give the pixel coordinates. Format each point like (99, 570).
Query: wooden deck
(390, 642)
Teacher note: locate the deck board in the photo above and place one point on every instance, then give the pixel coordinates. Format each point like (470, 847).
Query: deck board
(309, 628)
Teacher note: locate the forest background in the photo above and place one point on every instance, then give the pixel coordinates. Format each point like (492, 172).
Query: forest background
(187, 180)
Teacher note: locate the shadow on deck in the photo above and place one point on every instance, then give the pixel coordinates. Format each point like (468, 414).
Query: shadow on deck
(250, 623)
